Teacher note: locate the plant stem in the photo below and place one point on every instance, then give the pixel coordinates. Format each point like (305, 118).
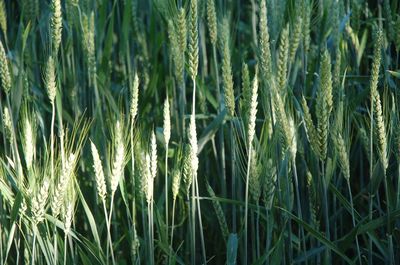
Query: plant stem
(246, 209)
(33, 247)
(109, 229)
(326, 211)
(65, 249)
(172, 232)
(166, 191)
(354, 220)
(370, 176)
(296, 183)
(203, 248)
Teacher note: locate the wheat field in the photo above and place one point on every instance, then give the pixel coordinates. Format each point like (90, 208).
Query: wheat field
(199, 132)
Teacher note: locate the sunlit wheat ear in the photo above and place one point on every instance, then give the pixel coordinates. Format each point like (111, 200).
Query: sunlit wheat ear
(181, 29)
(117, 170)
(50, 79)
(143, 170)
(220, 213)
(149, 181)
(187, 169)
(314, 208)
(56, 25)
(176, 182)
(375, 98)
(265, 52)
(68, 218)
(134, 97)
(4, 70)
(193, 52)
(212, 21)
(8, 126)
(296, 38)
(253, 110)
(98, 170)
(153, 155)
(309, 126)
(380, 130)
(3, 17)
(227, 77)
(285, 124)
(194, 161)
(254, 178)
(341, 151)
(60, 190)
(29, 139)
(38, 207)
(283, 60)
(167, 122)
(324, 104)
(269, 184)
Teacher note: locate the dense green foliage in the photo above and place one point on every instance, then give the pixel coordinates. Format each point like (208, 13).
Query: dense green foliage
(199, 132)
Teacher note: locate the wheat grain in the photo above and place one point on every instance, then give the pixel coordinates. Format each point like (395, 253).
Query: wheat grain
(324, 104)
(7, 122)
(265, 52)
(4, 70)
(38, 207)
(134, 97)
(342, 153)
(60, 190)
(220, 213)
(182, 30)
(99, 173)
(296, 38)
(119, 156)
(50, 79)
(193, 51)
(227, 77)
(212, 21)
(269, 184)
(176, 182)
(56, 25)
(283, 60)
(3, 17)
(29, 138)
(167, 122)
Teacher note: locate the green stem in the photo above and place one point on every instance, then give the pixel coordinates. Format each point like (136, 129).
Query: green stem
(166, 191)
(172, 232)
(296, 182)
(109, 229)
(326, 211)
(65, 249)
(354, 220)
(370, 176)
(246, 209)
(33, 247)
